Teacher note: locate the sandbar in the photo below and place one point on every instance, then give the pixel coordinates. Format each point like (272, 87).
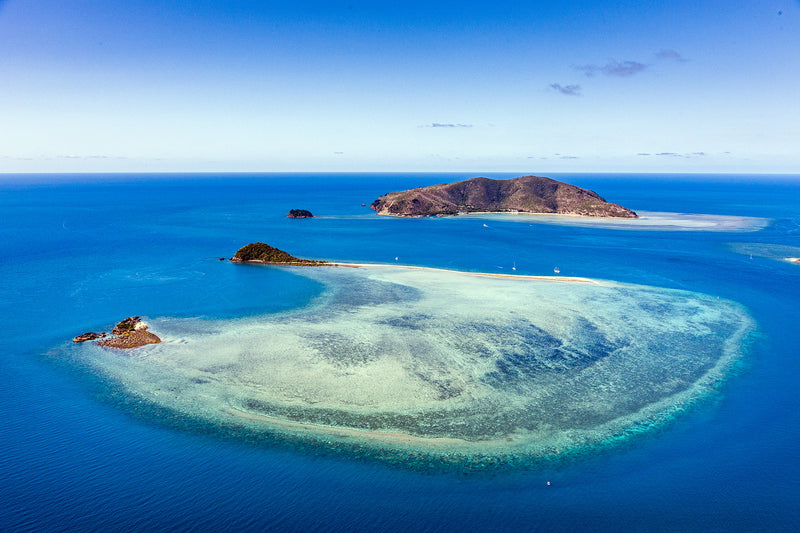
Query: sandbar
(647, 220)
(576, 279)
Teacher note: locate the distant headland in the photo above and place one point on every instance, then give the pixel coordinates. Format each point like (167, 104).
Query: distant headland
(526, 194)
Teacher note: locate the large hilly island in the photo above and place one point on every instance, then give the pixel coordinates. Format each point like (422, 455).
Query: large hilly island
(527, 194)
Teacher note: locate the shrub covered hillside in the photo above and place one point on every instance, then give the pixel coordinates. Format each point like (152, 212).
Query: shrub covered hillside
(264, 253)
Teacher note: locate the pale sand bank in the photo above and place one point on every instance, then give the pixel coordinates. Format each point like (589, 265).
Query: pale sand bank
(647, 220)
(450, 271)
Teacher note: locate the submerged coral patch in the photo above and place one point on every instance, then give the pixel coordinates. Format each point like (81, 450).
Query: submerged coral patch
(417, 360)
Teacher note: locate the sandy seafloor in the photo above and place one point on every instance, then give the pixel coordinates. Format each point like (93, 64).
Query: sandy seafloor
(684, 352)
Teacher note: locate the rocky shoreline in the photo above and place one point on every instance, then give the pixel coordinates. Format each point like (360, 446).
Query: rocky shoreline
(129, 333)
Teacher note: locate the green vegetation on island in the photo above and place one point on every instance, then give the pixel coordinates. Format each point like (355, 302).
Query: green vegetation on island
(259, 252)
(127, 325)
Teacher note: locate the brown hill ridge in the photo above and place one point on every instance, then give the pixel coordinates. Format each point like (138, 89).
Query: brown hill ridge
(527, 194)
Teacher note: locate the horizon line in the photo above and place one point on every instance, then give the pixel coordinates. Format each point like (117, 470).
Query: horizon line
(282, 172)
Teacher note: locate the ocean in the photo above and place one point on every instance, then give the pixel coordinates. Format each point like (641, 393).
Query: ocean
(89, 443)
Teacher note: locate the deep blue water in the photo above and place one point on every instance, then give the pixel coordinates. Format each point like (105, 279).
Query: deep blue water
(78, 253)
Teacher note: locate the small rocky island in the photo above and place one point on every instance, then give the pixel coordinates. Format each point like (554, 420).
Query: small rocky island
(259, 252)
(527, 194)
(129, 333)
(299, 213)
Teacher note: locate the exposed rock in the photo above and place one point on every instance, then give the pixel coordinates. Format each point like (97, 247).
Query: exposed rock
(259, 252)
(133, 339)
(126, 326)
(129, 333)
(527, 194)
(90, 336)
(299, 213)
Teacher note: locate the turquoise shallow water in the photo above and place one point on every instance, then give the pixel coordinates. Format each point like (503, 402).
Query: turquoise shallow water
(78, 452)
(467, 369)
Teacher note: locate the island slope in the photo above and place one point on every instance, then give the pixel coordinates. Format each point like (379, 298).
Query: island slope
(299, 213)
(259, 252)
(526, 194)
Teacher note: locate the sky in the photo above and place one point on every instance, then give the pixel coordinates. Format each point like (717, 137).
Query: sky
(385, 86)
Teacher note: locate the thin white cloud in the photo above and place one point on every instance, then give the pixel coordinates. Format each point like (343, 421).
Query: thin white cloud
(673, 154)
(73, 156)
(447, 125)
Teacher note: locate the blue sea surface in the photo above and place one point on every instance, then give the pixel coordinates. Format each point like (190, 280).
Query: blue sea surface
(80, 252)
